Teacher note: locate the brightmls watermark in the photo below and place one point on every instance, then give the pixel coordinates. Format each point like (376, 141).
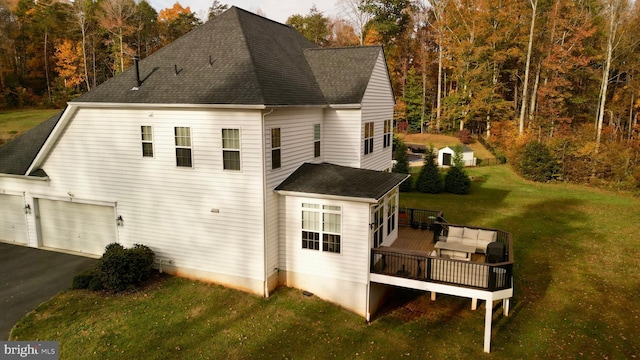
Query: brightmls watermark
(34, 350)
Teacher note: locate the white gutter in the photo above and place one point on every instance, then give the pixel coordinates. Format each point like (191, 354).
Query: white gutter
(24, 177)
(325, 196)
(165, 106)
(345, 106)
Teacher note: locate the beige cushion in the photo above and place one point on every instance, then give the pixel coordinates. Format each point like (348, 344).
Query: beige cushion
(487, 236)
(455, 232)
(471, 234)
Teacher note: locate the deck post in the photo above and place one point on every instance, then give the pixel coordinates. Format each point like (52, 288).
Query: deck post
(505, 306)
(474, 304)
(433, 296)
(487, 325)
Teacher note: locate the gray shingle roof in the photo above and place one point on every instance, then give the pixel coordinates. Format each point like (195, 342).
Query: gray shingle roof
(343, 73)
(17, 155)
(237, 58)
(336, 180)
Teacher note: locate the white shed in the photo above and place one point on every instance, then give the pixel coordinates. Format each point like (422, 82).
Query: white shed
(445, 156)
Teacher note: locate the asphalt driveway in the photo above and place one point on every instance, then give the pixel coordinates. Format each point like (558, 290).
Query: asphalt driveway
(29, 277)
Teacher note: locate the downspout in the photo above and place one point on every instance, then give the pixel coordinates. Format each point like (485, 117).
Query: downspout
(264, 204)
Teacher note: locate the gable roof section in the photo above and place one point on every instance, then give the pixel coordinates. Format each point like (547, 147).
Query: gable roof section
(343, 73)
(341, 181)
(236, 58)
(17, 155)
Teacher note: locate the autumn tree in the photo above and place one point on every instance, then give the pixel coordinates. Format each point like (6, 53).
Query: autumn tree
(216, 9)
(176, 21)
(117, 18)
(314, 26)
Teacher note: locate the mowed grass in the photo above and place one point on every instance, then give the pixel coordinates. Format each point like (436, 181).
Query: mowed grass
(16, 122)
(576, 288)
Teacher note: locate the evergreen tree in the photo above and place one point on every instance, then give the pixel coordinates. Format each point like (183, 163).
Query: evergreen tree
(402, 163)
(457, 181)
(429, 180)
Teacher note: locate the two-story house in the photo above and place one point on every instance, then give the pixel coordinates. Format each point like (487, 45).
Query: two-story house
(241, 153)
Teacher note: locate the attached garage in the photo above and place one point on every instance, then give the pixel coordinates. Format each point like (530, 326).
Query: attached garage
(79, 227)
(13, 227)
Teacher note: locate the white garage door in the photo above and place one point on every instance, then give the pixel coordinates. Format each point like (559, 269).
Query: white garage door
(77, 227)
(12, 219)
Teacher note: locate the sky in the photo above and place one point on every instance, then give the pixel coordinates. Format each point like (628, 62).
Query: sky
(278, 10)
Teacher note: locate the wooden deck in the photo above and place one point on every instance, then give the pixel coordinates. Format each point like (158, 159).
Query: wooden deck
(421, 241)
(414, 239)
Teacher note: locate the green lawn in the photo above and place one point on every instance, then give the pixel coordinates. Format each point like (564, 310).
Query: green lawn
(15, 122)
(576, 287)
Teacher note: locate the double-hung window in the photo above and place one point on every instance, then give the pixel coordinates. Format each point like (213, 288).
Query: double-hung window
(321, 222)
(387, 134)
(147, 141)
(378, 222)
(368, 138)
(316, 140)
(391, 214)
(311, 226)
(231, 149)
(183, 146)
(275, 148)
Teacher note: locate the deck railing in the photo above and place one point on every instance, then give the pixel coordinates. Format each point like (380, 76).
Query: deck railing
(420, 266)
(408, 264)
(419, 218)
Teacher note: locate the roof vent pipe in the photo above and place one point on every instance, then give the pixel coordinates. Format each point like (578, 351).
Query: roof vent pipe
(136, 60)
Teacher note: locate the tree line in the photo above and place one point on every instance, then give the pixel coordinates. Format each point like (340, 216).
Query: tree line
(563, 74)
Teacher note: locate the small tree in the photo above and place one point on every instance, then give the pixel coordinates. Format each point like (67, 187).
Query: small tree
(429, 180)
(457, 181)
(401, 165)
(536, 162)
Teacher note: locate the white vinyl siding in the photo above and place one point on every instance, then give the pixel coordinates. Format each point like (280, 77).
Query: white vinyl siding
(13, 226)
(351, 263)
(297, 147)
(208, 219)
(342, 137)
(83, 228)
(377, 106)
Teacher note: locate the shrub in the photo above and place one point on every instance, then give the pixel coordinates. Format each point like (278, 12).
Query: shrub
(123, 269)
(83, 280)
(429, 180)
(536, 162)
(464, 136)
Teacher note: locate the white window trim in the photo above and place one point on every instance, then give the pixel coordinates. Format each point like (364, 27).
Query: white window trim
(276, 147)
(142, 141)
(321, 210)
(317, 141)
(239, 149)
(387, 139)
(370, 128)
(190, 147)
